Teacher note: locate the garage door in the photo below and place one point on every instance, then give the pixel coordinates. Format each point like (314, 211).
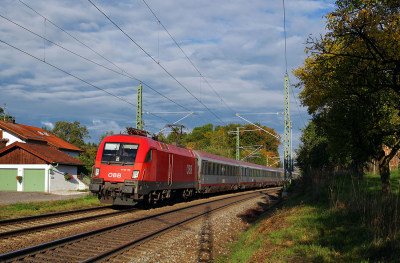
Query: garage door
(8, 180)
(34, 180)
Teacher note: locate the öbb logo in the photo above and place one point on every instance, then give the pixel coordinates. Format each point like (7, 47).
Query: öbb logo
(117, 175)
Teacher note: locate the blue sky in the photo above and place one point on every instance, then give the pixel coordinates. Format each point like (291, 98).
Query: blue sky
(238, 46)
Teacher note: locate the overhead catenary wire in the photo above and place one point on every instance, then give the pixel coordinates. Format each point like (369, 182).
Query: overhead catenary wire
(155, 61)
(128, 76)
(70, 74)
(201, 76)
(298, 108)
(284, 30)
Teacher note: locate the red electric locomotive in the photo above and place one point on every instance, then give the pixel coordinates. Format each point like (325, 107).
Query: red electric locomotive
(133, 168)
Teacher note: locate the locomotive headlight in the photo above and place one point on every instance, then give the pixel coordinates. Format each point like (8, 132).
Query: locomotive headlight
(97, 172)
(135, 174)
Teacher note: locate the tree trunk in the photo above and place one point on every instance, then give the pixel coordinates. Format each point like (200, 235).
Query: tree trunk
(384, 171)
(358, 169)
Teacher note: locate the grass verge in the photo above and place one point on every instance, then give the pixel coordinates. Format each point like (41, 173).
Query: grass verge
(38, 208)
(347, 221)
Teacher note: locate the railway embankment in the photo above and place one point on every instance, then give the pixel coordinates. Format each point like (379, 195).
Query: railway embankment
(337, 220)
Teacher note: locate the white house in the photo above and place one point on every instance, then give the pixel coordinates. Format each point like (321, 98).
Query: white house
(34, 160)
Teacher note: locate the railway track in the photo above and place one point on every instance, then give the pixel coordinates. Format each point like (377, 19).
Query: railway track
(25, 225)
(101, 244)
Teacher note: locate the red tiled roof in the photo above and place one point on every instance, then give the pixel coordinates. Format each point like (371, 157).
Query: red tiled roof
(26, 132)
(47, 153)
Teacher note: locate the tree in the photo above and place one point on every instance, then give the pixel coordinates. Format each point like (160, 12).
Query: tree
(73, 133)
(3, 115)
(313, 153)
(103, 136)
(88, 157)
(351, 81)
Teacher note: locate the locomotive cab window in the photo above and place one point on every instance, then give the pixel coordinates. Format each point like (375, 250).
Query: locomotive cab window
(119, 153)
(149, 156)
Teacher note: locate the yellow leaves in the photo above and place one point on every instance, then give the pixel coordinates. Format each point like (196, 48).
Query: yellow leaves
(190, 145)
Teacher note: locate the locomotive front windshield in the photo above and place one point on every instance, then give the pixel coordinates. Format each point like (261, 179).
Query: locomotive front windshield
(119, 153)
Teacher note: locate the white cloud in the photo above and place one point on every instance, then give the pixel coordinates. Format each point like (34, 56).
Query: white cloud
(238, 46)
(48, 124)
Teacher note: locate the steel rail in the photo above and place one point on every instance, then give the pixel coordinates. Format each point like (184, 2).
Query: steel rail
(31, 251)
(51, 215)
(122, 248)
(60, 224)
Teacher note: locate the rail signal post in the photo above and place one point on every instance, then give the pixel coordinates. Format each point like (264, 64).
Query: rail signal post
(139, 112)
(287, 143)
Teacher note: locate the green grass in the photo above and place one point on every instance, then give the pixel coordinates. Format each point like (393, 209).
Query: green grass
(338, 224)
(38, 208)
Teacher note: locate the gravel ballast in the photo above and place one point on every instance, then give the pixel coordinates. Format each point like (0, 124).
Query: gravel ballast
(202, 240)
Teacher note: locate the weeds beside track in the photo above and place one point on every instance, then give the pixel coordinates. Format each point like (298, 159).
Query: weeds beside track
(345, 221)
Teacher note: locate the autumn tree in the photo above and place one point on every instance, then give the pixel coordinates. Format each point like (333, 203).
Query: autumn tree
(351, 81)
(217, 140)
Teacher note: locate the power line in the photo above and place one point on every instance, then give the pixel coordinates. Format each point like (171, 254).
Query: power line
(284, 30)
(160, 23)
(297, 104)
(128, 76)
(109, 93)
(155, 61)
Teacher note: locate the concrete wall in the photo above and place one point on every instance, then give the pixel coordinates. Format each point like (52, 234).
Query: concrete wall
(57, 181)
